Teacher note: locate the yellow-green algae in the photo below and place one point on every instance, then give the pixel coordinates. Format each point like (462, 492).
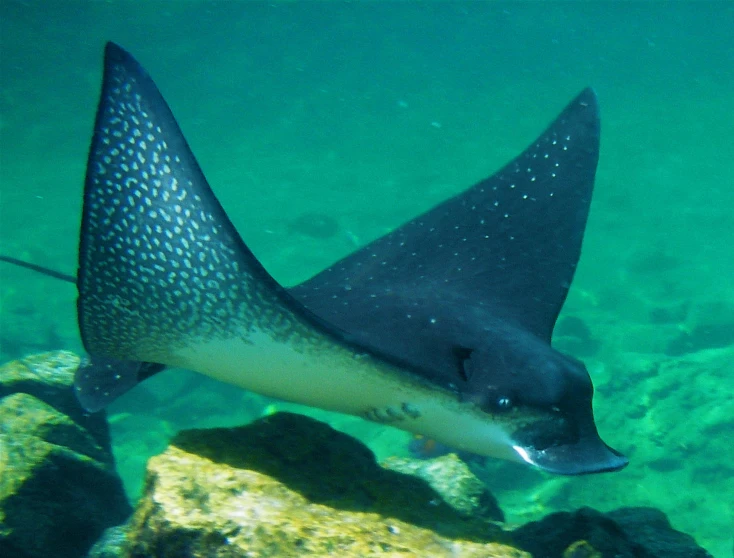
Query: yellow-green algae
(287, 486)
(58, 487)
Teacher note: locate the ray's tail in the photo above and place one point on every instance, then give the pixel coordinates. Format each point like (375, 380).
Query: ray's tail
(39, 269)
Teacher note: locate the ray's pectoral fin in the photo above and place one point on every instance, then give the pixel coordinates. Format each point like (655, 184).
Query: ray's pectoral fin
(162, 271)
(470, 292)
(510, 244)
(100, 380)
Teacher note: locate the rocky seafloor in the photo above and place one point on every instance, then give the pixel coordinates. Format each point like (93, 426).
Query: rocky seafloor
(284, 485)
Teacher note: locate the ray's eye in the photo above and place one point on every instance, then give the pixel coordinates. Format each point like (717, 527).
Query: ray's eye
(504, 404)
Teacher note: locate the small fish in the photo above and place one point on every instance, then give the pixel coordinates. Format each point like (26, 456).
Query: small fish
(441, 328)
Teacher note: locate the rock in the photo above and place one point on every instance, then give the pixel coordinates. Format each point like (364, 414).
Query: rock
(451, 478)
(46, 376)
(288, 485)
(49, 377)
(703, 336)
(709, 325)
(315, 225)
(58, 487)
(25, 416)
(651, 530)
(112, 544)
(624, 533)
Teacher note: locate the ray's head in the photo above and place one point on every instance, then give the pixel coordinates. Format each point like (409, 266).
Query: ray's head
(543, 401)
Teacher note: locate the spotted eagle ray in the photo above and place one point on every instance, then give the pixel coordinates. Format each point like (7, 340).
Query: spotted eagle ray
(441, 327)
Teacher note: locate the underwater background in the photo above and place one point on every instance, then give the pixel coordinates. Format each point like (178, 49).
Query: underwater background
(322, 125)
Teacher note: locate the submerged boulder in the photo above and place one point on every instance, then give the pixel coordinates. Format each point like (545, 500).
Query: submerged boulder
(453, 480)
(288, 485)
(622, 533)
(58, 486)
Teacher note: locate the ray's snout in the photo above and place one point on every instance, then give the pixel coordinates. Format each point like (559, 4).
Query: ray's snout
(589, 455)
(581, 452)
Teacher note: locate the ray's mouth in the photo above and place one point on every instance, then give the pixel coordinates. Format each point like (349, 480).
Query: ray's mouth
(547, 433)
(567, 448)
(583, 458)
(561, 445)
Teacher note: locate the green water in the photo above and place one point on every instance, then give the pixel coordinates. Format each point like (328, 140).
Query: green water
(323, 125)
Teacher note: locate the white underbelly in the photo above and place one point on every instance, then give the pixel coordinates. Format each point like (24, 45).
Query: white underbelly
(338, 379)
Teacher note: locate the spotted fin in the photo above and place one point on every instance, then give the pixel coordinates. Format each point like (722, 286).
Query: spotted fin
(100, 380)
(161, 267)
(510, 244)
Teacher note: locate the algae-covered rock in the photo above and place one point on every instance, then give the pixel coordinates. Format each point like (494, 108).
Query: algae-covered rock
(58, 487)
(112, 544)
(451, 478)
(49, 377)
(46, 376)
(24, 415)
(623, 533)
(288, 485)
